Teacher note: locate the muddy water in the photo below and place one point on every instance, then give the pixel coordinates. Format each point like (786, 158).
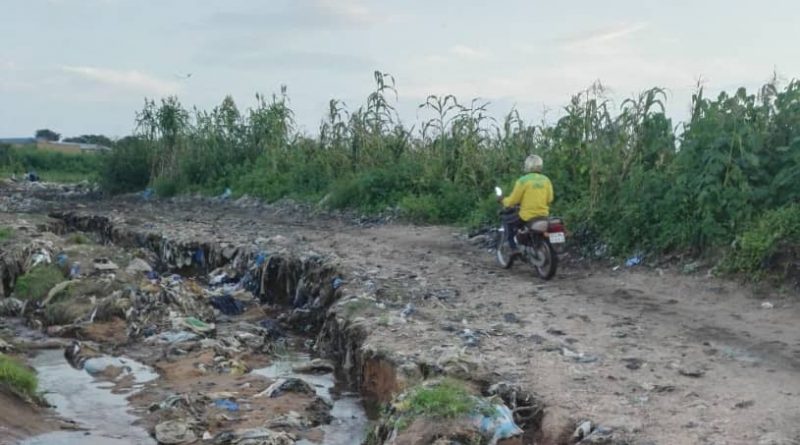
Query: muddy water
(349, 425)
(91, 403)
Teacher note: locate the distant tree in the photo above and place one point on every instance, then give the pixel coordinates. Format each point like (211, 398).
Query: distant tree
(97, 139)
(48, 135)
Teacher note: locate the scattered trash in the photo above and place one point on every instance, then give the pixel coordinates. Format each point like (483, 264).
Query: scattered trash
(11, 307)
(408, 311)
(470, 337)
(583, 431)
(138, 265)
(61, 260)
(292, 419)
(510, 318)
(273, 328)
(104, 264)
(497, 423)
(767, 305)
(148, 193)
(199, 257)
(260, 436)
(260, 258)
(175, 432)
(194, 324)
(691, 267)
(633, 261)
(337, 283)
(227, 304)
(316, 366)
(578, 356)
(75, 270)
(226, 194)
(226, 404)
(174, 337)
(282, 386)
(42, 257)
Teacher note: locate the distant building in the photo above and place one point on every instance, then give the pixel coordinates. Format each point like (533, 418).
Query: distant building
(63, 147)
(18, 141)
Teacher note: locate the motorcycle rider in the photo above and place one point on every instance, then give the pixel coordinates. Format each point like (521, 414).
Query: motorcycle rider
(533, 192)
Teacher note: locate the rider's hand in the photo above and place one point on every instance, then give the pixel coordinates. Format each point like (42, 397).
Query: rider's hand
(500, 199)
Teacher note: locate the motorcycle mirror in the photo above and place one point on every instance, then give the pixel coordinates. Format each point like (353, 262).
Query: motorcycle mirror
(498, 191)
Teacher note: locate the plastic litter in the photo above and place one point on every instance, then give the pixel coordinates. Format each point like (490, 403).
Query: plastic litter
(138, 265)
(315, 366)
(260, 436)
(583, 430)
(226, 194)
(174, 337)
(104, 264)
(337, 283)
(199, 257)
(498, 425)
(175, 432)
(226, 404)
(42, 257)
(633, 261)
(260, 258)
(62, 259)
(227, 304)
(291, 384)
(408, 310)
(194, 325)
(11, 307)
(75, 270)
(147, 193)
(767, 305)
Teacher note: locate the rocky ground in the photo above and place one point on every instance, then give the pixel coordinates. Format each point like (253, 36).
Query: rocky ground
(646, 355)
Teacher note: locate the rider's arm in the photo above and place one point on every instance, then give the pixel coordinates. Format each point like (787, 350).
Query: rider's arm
(549, 192)
(515, 197)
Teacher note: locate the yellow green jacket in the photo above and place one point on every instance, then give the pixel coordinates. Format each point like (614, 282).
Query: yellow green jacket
(534, 194)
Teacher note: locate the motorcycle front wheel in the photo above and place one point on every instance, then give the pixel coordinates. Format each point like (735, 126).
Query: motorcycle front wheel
(547, 269)
(503, 251)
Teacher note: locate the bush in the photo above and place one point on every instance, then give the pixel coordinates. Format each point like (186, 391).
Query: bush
(755, 249)
(127, 168)
(17, 376)
(35, 284)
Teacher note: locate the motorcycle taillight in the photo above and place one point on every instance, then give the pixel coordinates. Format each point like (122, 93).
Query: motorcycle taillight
(557, 227)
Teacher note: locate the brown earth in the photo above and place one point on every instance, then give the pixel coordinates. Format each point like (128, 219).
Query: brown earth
(655, 355)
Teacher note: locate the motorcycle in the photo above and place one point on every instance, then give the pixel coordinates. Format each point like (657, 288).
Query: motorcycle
(539, 242)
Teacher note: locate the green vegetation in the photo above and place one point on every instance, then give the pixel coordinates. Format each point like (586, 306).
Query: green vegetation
(774, 233)
(448, 399)
(17, 377)
(627, 178)
(35, 284)
(6, 233)
(51, 166)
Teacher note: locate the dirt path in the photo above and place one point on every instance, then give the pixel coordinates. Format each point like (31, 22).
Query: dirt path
(661, 357)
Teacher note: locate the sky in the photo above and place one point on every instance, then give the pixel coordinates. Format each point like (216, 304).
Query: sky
(86, 66)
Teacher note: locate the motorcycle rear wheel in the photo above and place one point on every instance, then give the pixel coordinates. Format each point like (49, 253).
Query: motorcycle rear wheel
(548, 268)
(504, 256)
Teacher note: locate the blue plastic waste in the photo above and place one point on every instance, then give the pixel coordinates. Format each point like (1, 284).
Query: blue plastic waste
(75, 270)
(337, 283)
(497, 425)
(199, 257)
(634, 261)
(62, 259)
(261, 257)
(148, 193)
(227, 305)
(229, 405)
(226, 194)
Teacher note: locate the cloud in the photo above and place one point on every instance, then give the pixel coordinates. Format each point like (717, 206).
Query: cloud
(131, 80)
(466, 52)
(311, 14)
(603, 36)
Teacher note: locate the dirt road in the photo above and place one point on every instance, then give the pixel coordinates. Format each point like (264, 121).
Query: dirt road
(658, 356)
(670, 358)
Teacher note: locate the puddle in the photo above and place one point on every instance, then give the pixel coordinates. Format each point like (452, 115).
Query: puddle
(349, 424)
(77, 396)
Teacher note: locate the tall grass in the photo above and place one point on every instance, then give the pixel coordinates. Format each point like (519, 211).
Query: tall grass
(50, 165)
(625, 176)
